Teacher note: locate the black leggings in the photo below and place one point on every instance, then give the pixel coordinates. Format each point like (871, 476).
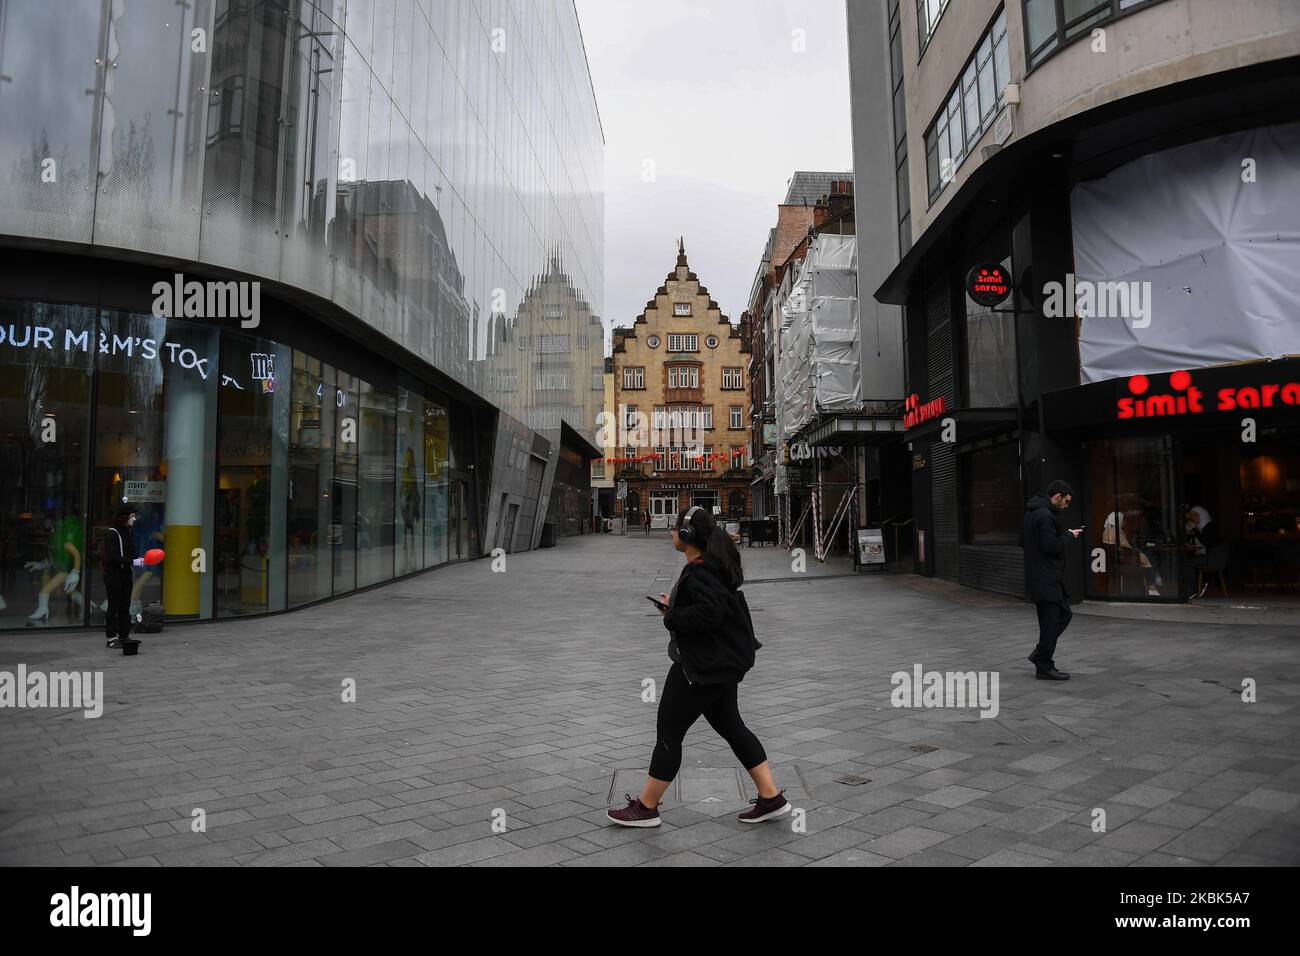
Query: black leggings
(681, 705)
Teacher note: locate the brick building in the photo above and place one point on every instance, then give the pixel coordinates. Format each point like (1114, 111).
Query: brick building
(814, 202)
(682, 405)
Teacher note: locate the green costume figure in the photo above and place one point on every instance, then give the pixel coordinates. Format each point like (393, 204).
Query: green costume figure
(62, 565)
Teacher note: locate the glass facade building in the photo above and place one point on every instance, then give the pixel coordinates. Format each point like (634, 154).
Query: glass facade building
(309, 283)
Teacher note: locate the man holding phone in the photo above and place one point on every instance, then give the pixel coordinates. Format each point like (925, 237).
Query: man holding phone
(1044, 544)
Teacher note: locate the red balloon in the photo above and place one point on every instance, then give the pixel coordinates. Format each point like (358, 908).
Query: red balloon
(153, 556)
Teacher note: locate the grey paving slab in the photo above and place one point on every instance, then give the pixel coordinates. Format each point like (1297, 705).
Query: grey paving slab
(521, 692)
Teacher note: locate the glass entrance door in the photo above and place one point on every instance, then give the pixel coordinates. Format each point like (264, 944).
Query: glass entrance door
(663, 510)
(708, 500)
(1133, 522)
(457, 526)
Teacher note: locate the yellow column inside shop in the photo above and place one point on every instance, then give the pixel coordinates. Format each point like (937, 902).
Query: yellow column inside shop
(185, 408)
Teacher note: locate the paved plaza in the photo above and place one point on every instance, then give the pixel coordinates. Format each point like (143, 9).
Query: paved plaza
(516, 698)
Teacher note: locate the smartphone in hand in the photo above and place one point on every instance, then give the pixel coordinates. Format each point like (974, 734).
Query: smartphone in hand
(656, 602)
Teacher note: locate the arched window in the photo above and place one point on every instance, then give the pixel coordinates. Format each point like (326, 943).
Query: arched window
(736, 504)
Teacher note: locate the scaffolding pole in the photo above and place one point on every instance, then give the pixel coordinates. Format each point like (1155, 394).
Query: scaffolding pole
(824, 532)
(798, 525)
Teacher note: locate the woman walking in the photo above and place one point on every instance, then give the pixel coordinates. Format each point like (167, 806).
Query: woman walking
(712, 646)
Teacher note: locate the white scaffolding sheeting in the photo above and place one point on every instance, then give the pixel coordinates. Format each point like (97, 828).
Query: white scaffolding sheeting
(820, 367)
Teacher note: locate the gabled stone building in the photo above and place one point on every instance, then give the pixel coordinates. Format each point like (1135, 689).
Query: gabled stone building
(682, 405)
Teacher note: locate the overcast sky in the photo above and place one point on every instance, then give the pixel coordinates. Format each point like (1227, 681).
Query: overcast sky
(716, 95)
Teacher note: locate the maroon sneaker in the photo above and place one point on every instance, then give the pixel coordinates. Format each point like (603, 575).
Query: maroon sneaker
(766, 808)
(635, 814)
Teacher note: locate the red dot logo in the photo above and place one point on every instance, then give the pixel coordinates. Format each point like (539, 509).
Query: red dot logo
(1138, 384)
(1180, 380)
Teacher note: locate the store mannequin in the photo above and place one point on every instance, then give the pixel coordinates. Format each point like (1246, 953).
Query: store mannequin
(64, 560)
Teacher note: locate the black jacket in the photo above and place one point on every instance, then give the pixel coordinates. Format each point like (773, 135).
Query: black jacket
(1208, 536)
(119, 552)
(1044, 545)
(712, 632)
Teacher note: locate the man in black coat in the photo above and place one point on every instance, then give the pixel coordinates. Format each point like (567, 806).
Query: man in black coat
(1044, 545)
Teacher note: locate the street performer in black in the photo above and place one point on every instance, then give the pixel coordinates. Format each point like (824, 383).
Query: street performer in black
(118, 564)
(1044, 544)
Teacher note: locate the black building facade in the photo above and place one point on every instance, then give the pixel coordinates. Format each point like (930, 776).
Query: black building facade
(1144, 426)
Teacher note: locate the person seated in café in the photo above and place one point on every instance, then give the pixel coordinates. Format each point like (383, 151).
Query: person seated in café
(1112, 534)
(1202, 535)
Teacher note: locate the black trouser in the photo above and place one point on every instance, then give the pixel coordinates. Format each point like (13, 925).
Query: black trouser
(1053, 619)
(1192, 565)
(118, 621)
(681, 705)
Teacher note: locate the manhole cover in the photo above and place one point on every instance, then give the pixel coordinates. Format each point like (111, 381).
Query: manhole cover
(852, 781)
(923, 748)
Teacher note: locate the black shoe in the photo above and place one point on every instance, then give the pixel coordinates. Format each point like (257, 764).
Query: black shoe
(1033, 657)
(1052, 674)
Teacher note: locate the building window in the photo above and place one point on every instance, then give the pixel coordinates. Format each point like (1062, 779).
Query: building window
(903, 183)
(711, 341)
(994, 504)
(634, 377)
(552, 343)
(553, 311)
(629, 416)
(732, 378)
(683, 342)
(550, 379)
(597, 378)
(653, 341)
(991, 355)
(681, 308)
(506, 380)
(737, 456)
(683, 416)
(736, 504)
(598, 468)
(928, 13)
(971, 107)
(737, 417)
(1052, 24)
(683, 376)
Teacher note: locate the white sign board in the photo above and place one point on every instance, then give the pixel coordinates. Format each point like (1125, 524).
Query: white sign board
(871, 547)
(622, 489)
(1005, 126)
(146, 491)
